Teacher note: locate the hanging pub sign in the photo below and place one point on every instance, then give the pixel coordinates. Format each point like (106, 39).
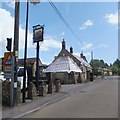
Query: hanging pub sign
(38, 33)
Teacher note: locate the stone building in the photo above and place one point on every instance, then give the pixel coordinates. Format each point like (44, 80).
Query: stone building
(80, 61)
(65, 70)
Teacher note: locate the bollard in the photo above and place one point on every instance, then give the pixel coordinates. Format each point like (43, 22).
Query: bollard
(42, 89)
(57, 85)
(50, 88)
(31, 91)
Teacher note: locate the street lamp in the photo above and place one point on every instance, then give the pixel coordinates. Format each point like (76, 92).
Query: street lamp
(38, 32)
(25, 52)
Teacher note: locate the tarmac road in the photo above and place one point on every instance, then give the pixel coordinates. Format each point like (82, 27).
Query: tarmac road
(100, 100)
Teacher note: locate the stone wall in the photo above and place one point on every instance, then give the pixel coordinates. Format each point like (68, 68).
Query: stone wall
(6, 93)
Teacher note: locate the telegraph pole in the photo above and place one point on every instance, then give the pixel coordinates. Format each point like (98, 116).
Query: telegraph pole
(25, 55)
(25, 52)
(15, 49)
(91, 55)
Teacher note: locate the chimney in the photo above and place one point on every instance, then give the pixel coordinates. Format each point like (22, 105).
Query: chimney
(71, 50)
(81, 55)
(63, 44)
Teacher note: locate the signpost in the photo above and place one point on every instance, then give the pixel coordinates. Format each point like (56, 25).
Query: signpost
(8, 65)
(38, 32)
(9, 72)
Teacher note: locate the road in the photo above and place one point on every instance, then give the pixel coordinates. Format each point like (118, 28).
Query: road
(99, 100)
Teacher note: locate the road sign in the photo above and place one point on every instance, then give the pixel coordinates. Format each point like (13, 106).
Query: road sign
(8, 69)
(8, 64)
(7, 75)
(8, 58)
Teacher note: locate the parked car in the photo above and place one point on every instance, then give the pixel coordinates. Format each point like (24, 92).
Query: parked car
(21, 76)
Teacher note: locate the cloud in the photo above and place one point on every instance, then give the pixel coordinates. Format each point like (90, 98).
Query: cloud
(87, 54)
(11, 3)
(112, 18)
(63, 33)
(103, 46)
(87, 24)
(87, 46)
(7, 31)
(6, 27)
(49, 43)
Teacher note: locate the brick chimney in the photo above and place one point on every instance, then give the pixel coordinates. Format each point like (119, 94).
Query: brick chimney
(71, 50)
(63, 44)
(81, 55)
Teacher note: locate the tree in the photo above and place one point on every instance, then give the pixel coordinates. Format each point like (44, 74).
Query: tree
(116, 67)
(97, 66)
(117, 63)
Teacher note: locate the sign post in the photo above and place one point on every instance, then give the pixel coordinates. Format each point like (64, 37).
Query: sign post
(9, 72)
(38, 32)
(8, 65)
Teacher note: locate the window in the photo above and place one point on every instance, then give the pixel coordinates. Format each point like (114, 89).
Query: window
(20, 72)
(70, 75)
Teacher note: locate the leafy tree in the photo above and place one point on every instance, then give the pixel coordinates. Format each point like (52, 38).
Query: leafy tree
(116, 67)
(110, 64)
(117, 63)
(102, 64)
(97, 66)
(106, 65)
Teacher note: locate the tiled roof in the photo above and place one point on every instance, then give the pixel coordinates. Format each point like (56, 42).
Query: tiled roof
(63, 64)
(29, 60)
(83, 62)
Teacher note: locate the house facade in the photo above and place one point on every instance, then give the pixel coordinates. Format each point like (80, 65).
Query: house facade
(65, 70)
(79, 60)
(73, 77)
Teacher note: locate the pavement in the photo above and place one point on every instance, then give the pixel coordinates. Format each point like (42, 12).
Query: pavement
(40, 102)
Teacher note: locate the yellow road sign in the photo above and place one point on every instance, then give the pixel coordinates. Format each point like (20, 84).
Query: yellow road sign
(8, 58)
(7, 64)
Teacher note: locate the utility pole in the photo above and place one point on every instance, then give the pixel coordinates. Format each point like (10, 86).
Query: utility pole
(25, 55)
(91, 55)
(15, 49)
(25, 52)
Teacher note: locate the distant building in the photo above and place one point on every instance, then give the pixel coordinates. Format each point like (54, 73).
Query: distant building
(31, 67)
(105, 71)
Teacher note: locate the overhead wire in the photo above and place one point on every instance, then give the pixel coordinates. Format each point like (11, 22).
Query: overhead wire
(64, 21)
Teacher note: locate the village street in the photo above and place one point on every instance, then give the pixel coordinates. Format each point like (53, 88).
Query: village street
(98, 100)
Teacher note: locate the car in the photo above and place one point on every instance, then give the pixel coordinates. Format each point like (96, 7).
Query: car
(20, 72)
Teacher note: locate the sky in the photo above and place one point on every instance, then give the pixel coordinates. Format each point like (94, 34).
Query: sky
(94, 23)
